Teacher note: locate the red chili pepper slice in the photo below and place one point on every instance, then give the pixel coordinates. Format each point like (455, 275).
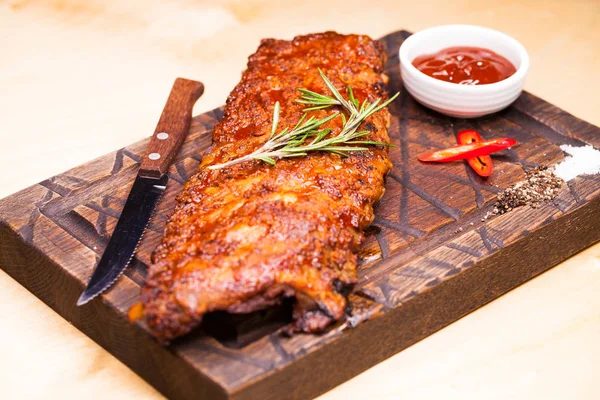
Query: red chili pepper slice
(466, 151)
(482, 165)
(468, 136)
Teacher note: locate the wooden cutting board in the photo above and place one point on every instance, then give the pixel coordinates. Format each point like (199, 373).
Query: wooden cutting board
(430, 258)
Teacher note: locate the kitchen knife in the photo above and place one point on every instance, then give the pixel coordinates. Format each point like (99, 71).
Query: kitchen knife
(149, 185)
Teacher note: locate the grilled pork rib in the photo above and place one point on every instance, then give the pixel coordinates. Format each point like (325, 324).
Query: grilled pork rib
(241, 238)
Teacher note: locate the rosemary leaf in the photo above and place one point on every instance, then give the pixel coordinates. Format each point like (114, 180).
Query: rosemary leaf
(275, 119)
(351, 95)
(371, 142)
(344, 148)
(266, 159)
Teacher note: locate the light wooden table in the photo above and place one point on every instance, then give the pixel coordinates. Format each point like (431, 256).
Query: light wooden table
(81, 78)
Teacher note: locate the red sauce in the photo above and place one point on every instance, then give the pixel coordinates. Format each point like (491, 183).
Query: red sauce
(276, 95)
(243, 131)
(465, 66)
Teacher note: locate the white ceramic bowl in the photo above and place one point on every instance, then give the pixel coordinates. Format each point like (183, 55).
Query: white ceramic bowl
(463, 101)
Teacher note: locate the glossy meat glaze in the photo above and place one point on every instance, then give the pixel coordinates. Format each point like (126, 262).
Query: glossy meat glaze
(241, 238)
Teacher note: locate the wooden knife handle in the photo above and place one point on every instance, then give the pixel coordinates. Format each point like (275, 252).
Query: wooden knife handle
(172, 128)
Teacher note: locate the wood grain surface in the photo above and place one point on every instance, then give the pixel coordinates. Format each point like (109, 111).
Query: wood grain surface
(417, 275)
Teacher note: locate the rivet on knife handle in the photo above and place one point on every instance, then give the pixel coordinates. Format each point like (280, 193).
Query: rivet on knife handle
(172, 128)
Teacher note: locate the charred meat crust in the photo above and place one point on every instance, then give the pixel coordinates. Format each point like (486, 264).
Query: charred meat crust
(242, 238)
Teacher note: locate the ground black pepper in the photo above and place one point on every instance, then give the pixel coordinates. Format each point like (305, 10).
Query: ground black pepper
(540, 185)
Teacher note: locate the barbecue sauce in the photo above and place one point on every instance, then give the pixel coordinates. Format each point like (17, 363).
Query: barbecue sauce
(465, 66)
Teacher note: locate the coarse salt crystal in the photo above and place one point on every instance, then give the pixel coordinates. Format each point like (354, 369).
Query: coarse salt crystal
(582, 160)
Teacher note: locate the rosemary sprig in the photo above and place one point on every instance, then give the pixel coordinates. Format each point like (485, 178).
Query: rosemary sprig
(293, 143)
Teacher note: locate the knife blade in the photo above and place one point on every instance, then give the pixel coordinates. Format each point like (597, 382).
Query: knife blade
(149, 185)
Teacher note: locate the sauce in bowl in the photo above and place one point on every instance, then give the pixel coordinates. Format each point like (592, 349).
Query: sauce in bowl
(465, 66)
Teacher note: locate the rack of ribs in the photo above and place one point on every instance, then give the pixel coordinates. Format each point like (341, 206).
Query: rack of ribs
(244, 237)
